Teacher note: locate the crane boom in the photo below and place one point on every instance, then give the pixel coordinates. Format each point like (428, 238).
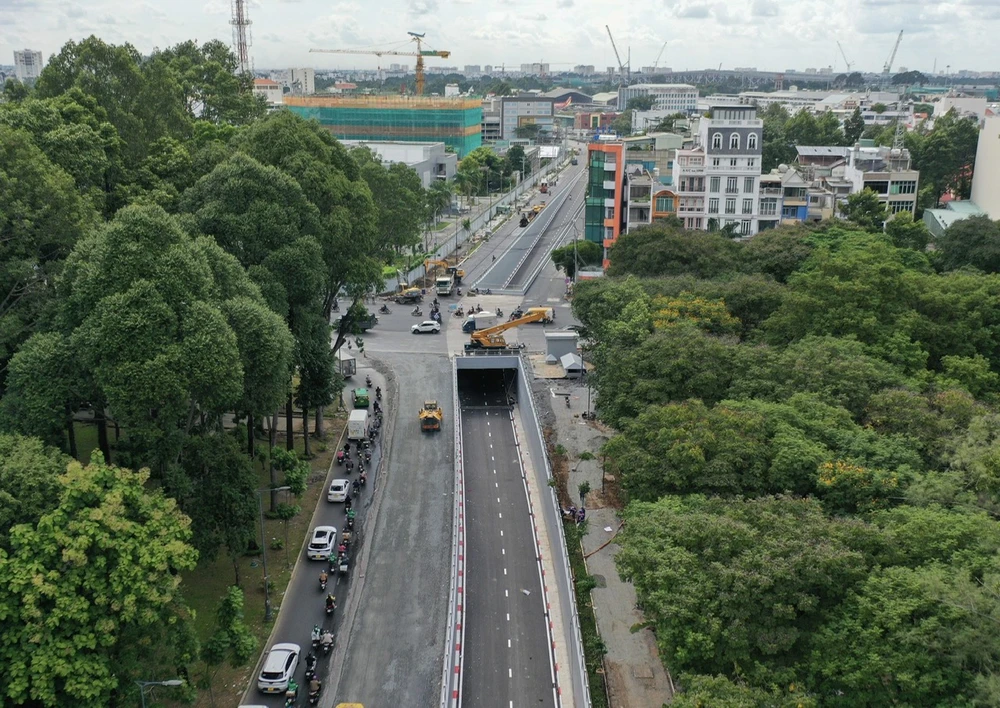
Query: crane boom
(892, 57)
(492, 337)
(843, 54)
(621, 67)
(419, 54)
(658, 57)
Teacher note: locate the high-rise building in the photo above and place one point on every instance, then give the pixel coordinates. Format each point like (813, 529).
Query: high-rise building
(456, 122)
(28, 65)
(679, 98)
(300, 81)
(520, 111)
(986, 177)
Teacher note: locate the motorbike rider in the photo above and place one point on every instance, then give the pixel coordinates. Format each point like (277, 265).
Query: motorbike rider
(364, 479)
(293, 688)
(316, 633)
(347, 502)
(354, 487)
(323, 577)
(378, 394)
(368, 381)
(327, 639)
(314, 686)
(331, 602)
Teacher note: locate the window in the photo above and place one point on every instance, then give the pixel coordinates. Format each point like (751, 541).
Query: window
(716, 162)
(768, 207)
(717, 141)
(664, 203)
(748, 206)
(898, 206)
(731, 187)
(745, 227)
(697, 223)
(909, 187)
(732, 162)
(714, 185)
(734, 141)
(609, 232)
(752, 141)
(789, 212)
(730, 206)
(713, 205)
(752, 162)
(609, 213)
(748, 184)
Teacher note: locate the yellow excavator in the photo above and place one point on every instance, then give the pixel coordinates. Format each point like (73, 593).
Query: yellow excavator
(430, 416)
(448, 268)
(492, 337)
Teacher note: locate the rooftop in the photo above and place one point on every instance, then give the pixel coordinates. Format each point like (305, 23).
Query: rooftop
(265, 82)
(604, 97)
(822, 151)
(652, 86)
(956, 211)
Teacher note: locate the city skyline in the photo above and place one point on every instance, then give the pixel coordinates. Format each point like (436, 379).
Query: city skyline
(772, 35)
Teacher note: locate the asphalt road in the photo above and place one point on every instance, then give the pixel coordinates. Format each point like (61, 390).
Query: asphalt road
(302, 605)
(506, 660)
(392, 651)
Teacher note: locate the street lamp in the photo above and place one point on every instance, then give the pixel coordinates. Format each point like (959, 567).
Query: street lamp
(143, 684)
(268, 614)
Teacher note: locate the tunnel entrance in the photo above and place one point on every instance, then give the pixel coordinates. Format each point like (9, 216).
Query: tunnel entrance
(487, 387)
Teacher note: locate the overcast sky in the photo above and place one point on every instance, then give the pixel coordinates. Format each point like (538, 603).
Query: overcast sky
(768, 34)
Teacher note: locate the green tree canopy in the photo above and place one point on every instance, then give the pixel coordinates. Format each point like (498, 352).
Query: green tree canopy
(665, 250)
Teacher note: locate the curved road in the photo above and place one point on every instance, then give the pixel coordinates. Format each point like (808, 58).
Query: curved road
(506, 653)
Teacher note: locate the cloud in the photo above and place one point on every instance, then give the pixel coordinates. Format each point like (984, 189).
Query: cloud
(764, 8)
(423, 7)
(696, 11)
(564, 3)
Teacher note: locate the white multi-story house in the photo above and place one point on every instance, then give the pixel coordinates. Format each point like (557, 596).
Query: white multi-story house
(28, 65)
(676, 98)
(728, 184)
(885, 171)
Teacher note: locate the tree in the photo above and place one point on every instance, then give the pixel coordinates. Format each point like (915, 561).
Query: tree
(398, 197)
(720, 692)
(232, 639)
(29, 482)
(973, 241)
(92, 588)
(879, 108)
(528, 131)
(641, 103)
(582, 252)
(41, 218)
(776, 252)
(749, 579)
(904, 232)
(854, 126)
(14, 90)
(865, 210)
(622, 125)
(661, 250)
(516, 161)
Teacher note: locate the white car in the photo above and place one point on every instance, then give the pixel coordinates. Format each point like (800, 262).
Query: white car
(425, 327)
(321, 544)
(279, 667)
(338, 490)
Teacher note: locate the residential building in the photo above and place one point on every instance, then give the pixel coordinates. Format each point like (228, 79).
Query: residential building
(451, 90)
(471, 70)
(986, 177)
(604, 217)
(770, 195)
(535, 69)
(585, 69)
(794, 198)
(723, 171)
(457, 122)
(431, 161)
(639, 204)
(887, 172)
(301, 82)
(520, 111)
(272, 91)
(664, 202)
(491, 128)
(962, 105)
(597, 121)
(676, 98)
(28, 65)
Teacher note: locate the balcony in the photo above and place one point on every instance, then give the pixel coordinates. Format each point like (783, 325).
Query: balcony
(610, 184)
(770, 191)
(609, 203)
(610, 166)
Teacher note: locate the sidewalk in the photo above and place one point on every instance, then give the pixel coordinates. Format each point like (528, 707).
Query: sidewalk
(635, 675)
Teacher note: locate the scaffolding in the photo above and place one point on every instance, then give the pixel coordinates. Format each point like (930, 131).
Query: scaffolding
(457, 122)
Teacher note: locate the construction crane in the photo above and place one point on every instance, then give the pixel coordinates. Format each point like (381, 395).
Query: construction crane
(624, 75)
(492, 337)
(419, 54)
(888, 62)
(846, 60)
(659, 56)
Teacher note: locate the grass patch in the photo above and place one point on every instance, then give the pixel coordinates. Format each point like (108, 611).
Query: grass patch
(594, 648)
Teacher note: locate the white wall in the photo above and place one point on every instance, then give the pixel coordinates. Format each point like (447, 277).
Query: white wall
(986, 178)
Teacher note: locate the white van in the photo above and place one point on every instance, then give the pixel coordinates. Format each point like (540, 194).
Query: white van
(357, 424)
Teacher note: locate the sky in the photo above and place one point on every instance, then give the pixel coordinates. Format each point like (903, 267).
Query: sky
(767, 34)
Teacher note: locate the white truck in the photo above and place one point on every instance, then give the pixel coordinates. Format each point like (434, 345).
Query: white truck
(479, 320)
(347, 365)
(357, 425)
(444, 284)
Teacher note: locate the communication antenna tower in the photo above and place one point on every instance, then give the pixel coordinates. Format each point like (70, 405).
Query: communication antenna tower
(241, 36)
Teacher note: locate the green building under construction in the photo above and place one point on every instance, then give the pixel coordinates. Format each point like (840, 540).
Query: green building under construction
(456, 122)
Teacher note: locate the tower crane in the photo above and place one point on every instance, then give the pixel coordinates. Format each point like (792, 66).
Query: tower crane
(656, 63)
(419, 54)
(846, 60)
(888, 62)
(624, 74)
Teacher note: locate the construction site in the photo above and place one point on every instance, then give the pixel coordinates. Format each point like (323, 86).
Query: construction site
(456, 122)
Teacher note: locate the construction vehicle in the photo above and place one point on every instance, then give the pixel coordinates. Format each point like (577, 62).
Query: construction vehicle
(492, 337)
(444, 284)
(459, 273)
(430, 416)
(538, 208)
(419, 54)
(409, 295)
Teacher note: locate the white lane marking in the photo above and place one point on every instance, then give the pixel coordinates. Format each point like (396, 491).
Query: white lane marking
(508, 644)
(508, 617)
(492, 459)
(501, 533)
(498, 500)
(500, 514)
(503, 551)
(506, 593)
(510, 673)
(505, 571)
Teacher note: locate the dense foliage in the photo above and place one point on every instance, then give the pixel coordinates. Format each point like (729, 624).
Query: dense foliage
(806, 433)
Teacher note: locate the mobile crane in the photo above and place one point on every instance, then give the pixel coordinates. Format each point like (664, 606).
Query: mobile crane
(492, 337)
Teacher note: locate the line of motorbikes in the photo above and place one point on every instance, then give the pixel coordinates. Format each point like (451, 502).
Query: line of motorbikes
(322, 638)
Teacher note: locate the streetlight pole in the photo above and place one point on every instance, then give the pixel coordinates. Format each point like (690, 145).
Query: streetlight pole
(268, 614)
(143, 684)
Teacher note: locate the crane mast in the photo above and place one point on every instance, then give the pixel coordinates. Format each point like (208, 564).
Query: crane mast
(621, 67)
(892, 57)
(846, 60)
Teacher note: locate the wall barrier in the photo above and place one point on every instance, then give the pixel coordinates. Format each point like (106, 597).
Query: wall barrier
(451, 684)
